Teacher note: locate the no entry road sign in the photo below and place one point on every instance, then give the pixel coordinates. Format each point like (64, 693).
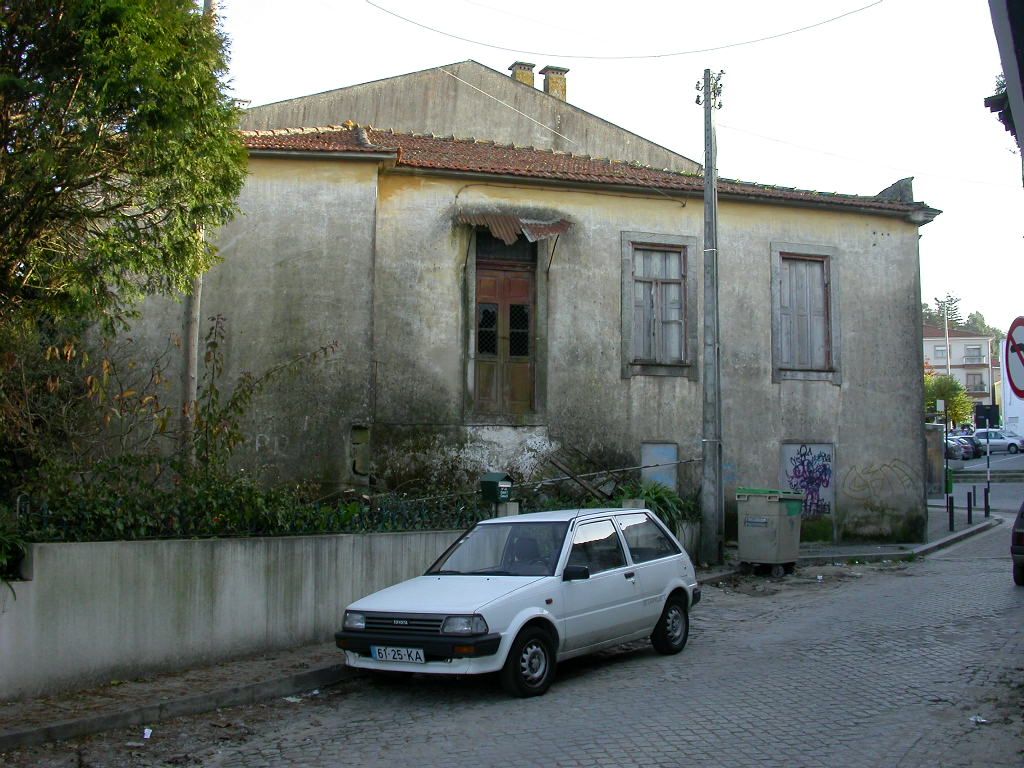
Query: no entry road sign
(1014, 356)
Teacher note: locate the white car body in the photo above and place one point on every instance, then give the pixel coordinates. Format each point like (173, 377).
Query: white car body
(607, 608)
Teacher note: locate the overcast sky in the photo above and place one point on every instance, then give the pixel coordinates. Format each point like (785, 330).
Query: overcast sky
(892, 90)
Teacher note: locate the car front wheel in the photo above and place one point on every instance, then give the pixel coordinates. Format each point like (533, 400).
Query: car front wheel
(530, 666)
(1018, 574)
(673, 628)
(1013, 448)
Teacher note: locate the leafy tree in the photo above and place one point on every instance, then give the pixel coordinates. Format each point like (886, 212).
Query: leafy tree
(118, 147)
(959, 406)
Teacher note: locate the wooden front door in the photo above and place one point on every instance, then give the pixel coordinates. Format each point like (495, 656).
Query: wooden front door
(504, 340)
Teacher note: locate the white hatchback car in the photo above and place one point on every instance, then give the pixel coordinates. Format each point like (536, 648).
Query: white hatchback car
(517, 594)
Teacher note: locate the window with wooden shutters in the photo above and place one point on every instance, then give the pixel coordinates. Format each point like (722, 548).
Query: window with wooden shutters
(803, 310)
(658, 302)
(658, 305)
(804, 320)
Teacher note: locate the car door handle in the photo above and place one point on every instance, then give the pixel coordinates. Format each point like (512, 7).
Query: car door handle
(631, 575)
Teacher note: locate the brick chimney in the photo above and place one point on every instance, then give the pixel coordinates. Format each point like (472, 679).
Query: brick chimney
(522, 72)
(554, 81)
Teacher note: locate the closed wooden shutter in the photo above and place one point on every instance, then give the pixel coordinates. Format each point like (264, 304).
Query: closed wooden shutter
(803, 314)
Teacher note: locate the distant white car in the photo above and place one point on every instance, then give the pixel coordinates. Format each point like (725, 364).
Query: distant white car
(997, 440)
(516, 595)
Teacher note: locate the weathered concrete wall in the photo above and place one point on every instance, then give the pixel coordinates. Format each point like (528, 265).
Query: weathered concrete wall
(433, 102)
(873, 417)
(330, 250)
(297, 274)
(420, 314)
(97, 611)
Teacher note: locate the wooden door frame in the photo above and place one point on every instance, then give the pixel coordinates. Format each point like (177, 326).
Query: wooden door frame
(538, 417)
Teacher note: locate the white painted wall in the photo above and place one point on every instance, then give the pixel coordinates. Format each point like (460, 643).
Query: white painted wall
(93, 612)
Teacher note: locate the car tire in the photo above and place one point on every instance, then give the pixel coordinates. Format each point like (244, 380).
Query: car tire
(1012, 448)
(673, 628)
(1018, 574)
(530, 667)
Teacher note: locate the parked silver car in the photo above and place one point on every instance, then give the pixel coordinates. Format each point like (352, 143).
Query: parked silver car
(997, 440)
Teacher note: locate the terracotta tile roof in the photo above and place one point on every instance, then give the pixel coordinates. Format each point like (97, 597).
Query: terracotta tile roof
(938, 332)
(487, 157)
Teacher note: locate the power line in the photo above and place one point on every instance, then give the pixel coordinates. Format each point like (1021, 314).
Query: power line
(852, 159)
(505, 104)
(621, 58)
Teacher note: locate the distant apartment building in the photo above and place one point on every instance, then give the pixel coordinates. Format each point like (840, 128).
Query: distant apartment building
(966, 357)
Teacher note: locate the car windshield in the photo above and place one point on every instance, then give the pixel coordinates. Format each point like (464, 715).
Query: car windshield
(504, 549)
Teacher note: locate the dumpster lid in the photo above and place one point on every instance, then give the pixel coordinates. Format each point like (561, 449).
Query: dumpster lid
(769, 492)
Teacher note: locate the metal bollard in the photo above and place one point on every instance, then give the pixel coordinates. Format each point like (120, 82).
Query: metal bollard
(949, 508)
(986, 503)
(970, 508)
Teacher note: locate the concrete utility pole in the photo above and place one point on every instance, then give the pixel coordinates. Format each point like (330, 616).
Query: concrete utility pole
(711, 496)
(945, 322)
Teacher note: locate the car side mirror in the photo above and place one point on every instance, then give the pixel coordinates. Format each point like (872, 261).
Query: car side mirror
(575, 573)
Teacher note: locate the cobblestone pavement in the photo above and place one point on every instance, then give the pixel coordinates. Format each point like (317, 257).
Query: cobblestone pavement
(881, 665)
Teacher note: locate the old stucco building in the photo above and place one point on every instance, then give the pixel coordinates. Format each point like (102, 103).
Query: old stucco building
(491, 300)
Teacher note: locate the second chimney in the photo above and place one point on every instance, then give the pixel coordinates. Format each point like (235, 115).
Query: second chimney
(522, 72)
(554, 81)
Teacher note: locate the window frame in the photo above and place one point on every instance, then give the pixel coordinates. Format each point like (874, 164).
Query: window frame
(832, 371)
(687, 248)
(980, 383)
(470, 414)
(945, 352)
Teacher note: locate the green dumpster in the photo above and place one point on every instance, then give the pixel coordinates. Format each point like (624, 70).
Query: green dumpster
(768, 522)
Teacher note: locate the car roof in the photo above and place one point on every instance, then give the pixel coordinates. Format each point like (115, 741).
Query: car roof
(557, 515)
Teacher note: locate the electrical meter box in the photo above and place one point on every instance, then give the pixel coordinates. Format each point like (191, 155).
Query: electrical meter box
(496, 487)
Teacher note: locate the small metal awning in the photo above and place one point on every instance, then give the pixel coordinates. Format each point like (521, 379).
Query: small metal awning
(508, 226)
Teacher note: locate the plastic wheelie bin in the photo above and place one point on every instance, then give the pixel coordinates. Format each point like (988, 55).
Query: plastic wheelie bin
(768, 523)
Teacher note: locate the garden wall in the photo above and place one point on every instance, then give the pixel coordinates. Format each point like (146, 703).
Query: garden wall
(92, 612)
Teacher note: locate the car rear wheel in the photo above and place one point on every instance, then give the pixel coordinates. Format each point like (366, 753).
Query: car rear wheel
(673, 628)
(530, 666)
(1018, 574)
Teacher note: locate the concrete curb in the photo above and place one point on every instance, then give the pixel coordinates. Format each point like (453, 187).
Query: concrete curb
(188, 705)
(917, 551)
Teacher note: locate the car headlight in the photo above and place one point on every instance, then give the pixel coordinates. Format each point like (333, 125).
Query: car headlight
(354, 621)
(464, 625)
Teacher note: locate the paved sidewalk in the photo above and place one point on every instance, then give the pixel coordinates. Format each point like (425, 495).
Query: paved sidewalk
(144, 701)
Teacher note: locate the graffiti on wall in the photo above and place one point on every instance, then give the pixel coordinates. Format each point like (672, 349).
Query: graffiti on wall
(807, 468)
(874, 482)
